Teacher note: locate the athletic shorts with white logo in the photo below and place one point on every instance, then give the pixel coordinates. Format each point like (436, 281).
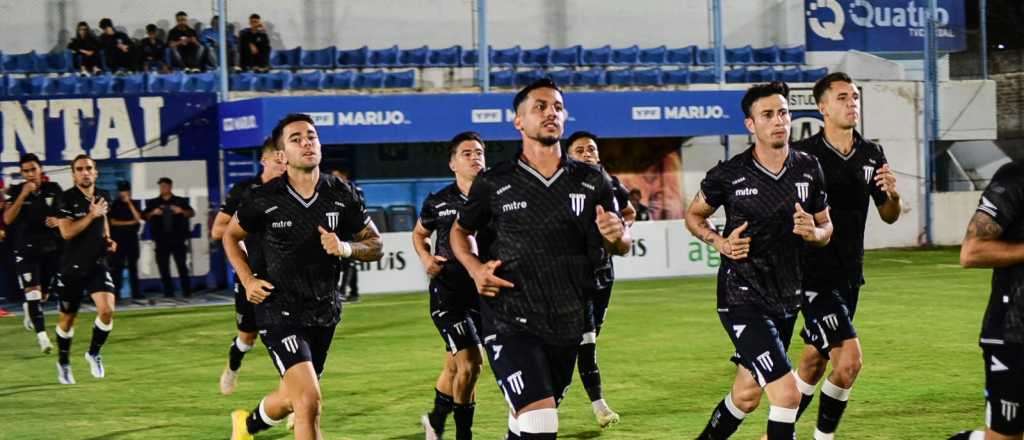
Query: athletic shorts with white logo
(36, 270)
(761, 342)
(528, 370)
(245, 314)
(292, 345)
(1004, 388)
(827, 318)
(458, 329)
(70, 291)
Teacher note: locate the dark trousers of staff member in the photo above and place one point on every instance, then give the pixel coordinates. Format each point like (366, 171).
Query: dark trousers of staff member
(164, 252)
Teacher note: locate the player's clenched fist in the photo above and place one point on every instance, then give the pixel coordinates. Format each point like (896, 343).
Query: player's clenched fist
(256, 290)
(803, 224)
(609, 225)
(332, 244)
(735, 247)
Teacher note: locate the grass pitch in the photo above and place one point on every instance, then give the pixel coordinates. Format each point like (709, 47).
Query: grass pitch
(663, 357)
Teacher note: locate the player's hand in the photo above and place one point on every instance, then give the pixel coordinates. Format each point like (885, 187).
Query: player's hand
(256, 290)
(486, 282)
(157, 212)
(3, 235)
(331, 243)
(98, 208)
(111, 245)
(432, 265)
(253, 49)
(175, 209)
(735, 247)
(609, 225)
(885, 179)
(51, 222)
(27, 188)
(803, 224)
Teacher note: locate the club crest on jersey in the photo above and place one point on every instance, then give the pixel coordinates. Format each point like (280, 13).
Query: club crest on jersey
(576, 201)
(332, 220)
(802, 190)
(869, 172)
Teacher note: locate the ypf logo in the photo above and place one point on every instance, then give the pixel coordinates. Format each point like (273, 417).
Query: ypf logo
(831, 30)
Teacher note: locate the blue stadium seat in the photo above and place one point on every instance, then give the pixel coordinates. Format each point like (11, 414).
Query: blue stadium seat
(626, 56)
(69, 85)
(793, 55)
(168, 83)
(739, 55)
(20, 62)
(201, 83)
(99, 85)
(243, 82)
(401, 218)
(679, 76)
(273, 81)
(18, 86)
(598, 56)
(527, 77)
(589, 78)
(791, 75)
(386, 57)
(766, 55)
(400, 80)
(447, 57)
(309, 80)
(503, 78)
(509, 57)
(622, 77)
(54, 62)
(539, 57)
(653, 55)
(285, 59)
(562, 77)
(703, 76)
(353, 58)
(130, 84)
(812, 75)
(340, 80)
(469, 58)
(761, 75)
(387, 193)
(680, 55)
(738, 75)
(319, 58)
(647, 77)
(706, 56)
(568, 56)
(369, 80)
(416, 57)
(379, 218)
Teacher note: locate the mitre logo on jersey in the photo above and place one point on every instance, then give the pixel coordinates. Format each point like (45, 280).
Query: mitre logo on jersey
(281, 224)
(869, 172)
(513, 206)
(802, 189)
(746, 192)
(447, 212)
(332, 220)
(576, 201)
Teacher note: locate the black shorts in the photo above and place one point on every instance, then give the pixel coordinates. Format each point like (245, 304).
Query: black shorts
(596, 308)
(245, 313)
(291, 345)
(828, 320)
(459, 329)
(36, 270)
(1004, 388)
(70, 291)
(528, 370)
(761, 343)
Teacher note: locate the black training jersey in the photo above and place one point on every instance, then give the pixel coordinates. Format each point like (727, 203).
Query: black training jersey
(83, 251)
(850, 183)
(29, 231)
(239, 192)
(768, 280)
(1003, 200)
(544, 231)
(305, 277)
(438, 214)
(605, 272)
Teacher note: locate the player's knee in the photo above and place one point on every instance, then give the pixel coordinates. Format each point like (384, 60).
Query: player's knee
(746, 400)
(467, 370)
(307, 402)
(788, 397)
(105, 314)
(247, 338)
(848, 370)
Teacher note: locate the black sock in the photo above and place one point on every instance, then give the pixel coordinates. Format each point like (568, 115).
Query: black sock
(35, 313)
(463, 415)
(805, 401)
(511, 436)
(963, 435)
(589, 373)
(255, 423)
(538, 435)
(235, 356)
(99, 337)
(722, 424)
(63, 348)
(830, 409)
(781, 430)
(443, 404)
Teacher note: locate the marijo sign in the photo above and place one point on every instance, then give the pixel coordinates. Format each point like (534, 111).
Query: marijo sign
(882, 25)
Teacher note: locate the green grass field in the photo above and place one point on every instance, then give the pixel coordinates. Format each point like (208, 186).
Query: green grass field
(663, 355)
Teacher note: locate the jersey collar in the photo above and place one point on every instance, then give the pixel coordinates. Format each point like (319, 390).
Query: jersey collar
(295, 194)
(547, 182)
(857, 140)
(765, 170)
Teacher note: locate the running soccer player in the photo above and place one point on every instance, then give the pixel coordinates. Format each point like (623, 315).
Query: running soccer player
(775, 206)
(547, 211)
(305, 221)
(454, 303)
(582, 146)
(995, 238)
(31, 213)
(274, 165)
(83, 271)
(855, 171)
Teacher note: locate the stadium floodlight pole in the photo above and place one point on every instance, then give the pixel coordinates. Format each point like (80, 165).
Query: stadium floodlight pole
(983, 15)
(222, 49)
(716, 14)
(483, 68)
(931, 115)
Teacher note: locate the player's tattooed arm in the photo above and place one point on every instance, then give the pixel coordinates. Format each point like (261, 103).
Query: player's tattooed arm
(983, 246)
(367, 245)
(697, 221)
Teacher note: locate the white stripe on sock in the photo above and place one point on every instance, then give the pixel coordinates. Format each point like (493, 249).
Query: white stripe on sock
(539, 421)
(105, 327)
(818, 435)
(513, 424)
(804, 387)
(242, 346)
(830, 389)
(735, 411)
(782, 415)
(589, 338)
(66, 334)
(266, 418)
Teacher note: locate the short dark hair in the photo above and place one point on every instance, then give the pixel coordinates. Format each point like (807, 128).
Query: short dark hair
(579, 135)
(822, 86)
(166, 180)
(256, 16)
(82, 156)
(80, 24)
(758, 91)
(453, 145)
(288, 119)
(151, 27)
(105, 23)
(543, 83)
(636, 191)
(180, 14)
(29, 157)
(268, 146)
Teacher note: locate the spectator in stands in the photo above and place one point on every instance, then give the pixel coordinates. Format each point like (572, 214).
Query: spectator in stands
(209, 38)
(254, 46)
(153, 49)
(125, 218)
(85, 49)
(168, 217)
(643, 213)
(118, 49)
(349, 273)
(186, 52)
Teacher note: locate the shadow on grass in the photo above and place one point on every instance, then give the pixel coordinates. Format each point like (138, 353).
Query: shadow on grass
(415, 436)
(116, 434)
(583, 434)
(18, 389)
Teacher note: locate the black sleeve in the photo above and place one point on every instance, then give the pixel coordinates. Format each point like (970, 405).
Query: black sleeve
(65, 208)
(428, 215)
(606, 196)
(250, 216)
(183, 203)
(12, 193)
(621, 192)
(151, 204)
(1003, 199)
(817, 201)
(354, 218)
(877, 194)
(230, 205)
(715, 186)
(476, 212)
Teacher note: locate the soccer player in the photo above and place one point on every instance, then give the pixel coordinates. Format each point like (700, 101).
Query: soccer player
(306, 221)
(83, 267)
(995, 238)
(547, 212)
(274, 166)
(582, 146)
(31, 213)
(454, 303)
(855, 171)
(775, 206)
